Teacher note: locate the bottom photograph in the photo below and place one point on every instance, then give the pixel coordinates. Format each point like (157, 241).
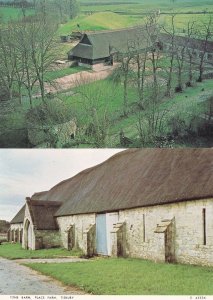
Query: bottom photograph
(106, 222)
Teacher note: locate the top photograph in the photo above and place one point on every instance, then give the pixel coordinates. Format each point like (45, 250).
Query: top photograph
(106, 74)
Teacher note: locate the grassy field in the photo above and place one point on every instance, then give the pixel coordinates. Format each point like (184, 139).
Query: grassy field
(13, 13)
(98, 21)
(107, 98)
(132, 277)
(145, 6)
(186, 105)
(14, 251)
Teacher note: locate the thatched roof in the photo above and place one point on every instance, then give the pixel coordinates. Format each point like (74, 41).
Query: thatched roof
(42, 214)
(38, 196)
(137, 178)
(192, 43)
(102, 44)
(19, 217)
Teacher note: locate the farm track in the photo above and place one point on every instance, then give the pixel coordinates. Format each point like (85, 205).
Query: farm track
(74, 80)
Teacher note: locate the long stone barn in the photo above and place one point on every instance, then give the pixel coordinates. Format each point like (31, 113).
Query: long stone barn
(153, 204)
(105, 47)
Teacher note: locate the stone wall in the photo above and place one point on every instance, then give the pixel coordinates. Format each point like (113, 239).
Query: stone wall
(28, 241)
(47, 239)
(181, 232)
(81, 223)
(90, 241)
(188, 230)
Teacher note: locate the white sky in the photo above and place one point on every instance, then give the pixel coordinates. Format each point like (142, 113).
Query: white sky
(24, 172)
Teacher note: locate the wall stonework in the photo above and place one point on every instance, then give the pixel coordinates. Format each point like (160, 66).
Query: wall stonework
(47, 239)
(89, 239)
(188, 233)
(142, 240)
(81, 222)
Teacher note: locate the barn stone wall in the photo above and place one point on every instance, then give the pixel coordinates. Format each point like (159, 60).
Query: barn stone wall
(81, 222)
(143, 241)
(47, 239)
(173, 232)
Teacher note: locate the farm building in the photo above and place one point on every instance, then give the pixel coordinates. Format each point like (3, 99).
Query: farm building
(197, 47)
(103, 46)
(154, 204)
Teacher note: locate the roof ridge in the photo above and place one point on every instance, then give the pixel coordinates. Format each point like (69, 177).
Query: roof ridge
(91, 168)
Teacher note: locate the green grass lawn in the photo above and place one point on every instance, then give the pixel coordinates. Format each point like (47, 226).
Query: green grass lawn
(14, 251)
(132, 277)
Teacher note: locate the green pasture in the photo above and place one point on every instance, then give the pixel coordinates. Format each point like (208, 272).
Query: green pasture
(13, 13)
(98, 21)
(145, 6)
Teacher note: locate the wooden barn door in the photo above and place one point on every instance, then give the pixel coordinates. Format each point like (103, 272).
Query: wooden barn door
(101, 234)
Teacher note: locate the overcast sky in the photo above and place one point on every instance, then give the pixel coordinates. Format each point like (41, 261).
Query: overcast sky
(24, 172)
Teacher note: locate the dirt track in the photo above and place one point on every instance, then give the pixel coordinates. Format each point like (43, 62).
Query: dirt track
(73, 80)
(16, 279)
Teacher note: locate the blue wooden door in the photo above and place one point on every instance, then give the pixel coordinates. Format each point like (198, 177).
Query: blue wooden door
(101, 234)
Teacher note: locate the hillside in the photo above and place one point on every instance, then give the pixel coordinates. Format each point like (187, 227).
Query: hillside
(98, 21)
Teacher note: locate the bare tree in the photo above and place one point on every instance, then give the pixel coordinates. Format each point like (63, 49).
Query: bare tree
(180, 57)
(96, 117)
(205, 33)
(7, 62)
(140, 48)
(121, 75)
(153, 31)
(125, 68)
(189, 51)
(37, 49)
(171, 53)
(151, 122)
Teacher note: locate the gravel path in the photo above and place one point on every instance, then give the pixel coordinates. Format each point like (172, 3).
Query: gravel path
(16, 279)
(51, 260)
